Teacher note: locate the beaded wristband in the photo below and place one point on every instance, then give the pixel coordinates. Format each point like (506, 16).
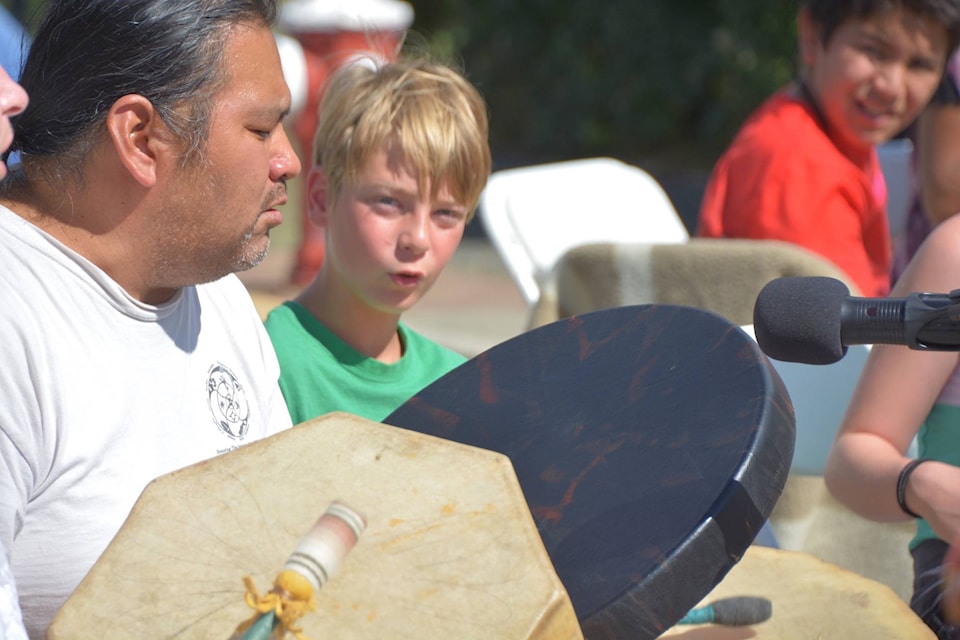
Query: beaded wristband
(902, 485)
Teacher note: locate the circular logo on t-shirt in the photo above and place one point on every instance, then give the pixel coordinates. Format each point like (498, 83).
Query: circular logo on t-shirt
(228, 402)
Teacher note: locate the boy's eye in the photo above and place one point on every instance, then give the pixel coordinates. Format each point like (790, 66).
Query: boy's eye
(873, 51)
(450, 216)
(923, 65)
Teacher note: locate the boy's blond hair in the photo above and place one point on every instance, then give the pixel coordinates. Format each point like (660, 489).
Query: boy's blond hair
(430, 110)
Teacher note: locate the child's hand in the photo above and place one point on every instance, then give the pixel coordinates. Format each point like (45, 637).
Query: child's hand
(932, 488)
(951, 583)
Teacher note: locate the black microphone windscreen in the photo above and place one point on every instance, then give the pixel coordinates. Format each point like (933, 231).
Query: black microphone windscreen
(798, 319)
(741, 611)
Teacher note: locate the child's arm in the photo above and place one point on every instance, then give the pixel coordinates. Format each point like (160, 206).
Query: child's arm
(895, 393)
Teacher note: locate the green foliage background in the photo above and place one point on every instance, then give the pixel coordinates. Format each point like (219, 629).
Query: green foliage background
(651, 81)
(663, 81)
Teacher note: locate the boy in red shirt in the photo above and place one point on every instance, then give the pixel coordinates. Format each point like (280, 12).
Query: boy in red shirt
(804, 168)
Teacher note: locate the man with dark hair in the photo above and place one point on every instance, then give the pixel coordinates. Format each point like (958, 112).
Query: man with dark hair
(153, 162)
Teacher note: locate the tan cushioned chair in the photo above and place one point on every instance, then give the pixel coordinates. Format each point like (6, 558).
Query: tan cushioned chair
(719, 275)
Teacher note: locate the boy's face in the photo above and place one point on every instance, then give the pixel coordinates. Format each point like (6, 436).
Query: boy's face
(387, 241)
(874, 76)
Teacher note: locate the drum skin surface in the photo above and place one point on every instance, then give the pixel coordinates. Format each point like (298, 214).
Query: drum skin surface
(449, 551)
(809, 598)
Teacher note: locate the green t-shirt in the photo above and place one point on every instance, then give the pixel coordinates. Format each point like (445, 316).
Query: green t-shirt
(320, 373)
(937, 439)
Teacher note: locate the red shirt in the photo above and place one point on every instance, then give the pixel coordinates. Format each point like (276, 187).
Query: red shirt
(784, 178)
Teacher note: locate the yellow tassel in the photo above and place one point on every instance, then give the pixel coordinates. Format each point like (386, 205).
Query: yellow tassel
(318, 555)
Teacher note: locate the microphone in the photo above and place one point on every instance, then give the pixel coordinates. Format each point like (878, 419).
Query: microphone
(814, 319)
(738, 611)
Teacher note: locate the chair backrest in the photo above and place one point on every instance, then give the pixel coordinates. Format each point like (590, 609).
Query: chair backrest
(534, 214)
(896, 162)
(720, 275)
(819, 394)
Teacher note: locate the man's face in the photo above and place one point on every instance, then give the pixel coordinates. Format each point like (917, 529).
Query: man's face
(13, 100)
(223, 203)
(874, 76)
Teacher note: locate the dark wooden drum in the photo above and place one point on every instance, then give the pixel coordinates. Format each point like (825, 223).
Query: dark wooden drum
(651, 443)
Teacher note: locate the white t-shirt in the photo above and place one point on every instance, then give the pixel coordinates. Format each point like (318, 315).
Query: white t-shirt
(11, 623)
(100, 393)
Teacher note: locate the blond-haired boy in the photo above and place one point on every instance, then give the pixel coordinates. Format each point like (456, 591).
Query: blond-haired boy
(401, 155)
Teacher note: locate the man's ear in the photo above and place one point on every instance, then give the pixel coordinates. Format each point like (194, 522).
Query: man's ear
(317, 186)
(809, 38)
(139, 136)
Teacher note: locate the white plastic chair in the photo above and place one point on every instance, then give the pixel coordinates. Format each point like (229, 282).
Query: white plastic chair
(293, 61)
(819, 394)
(534, 214)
